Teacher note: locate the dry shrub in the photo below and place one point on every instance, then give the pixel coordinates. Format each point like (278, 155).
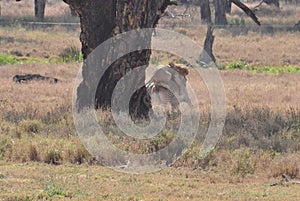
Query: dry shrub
(44, 149)
(243, 163)
(77, 154)
(53, 156)
(5, 148)
(285, 164)
(262, 128)
(25, 150)
(34, 154)
(240, 162)
(30, 126)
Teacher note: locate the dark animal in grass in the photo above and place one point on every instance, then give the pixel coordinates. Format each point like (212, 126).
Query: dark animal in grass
(36, 77)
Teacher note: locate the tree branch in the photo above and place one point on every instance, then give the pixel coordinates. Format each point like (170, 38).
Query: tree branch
(247, 10)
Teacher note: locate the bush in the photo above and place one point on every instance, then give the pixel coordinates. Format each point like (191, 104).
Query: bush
(243, 163)
(7, 59)
(31, 126)
(33, 153)
(236, 21)
(53, 157)
(261, 128)
(235, 65)
(288, 165)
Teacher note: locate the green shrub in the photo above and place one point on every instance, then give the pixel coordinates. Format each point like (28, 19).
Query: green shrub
(55, 190)
(276, 70)
(271, 70)
(239, 65)
(291, 69)
(7, 59)
(236, 21)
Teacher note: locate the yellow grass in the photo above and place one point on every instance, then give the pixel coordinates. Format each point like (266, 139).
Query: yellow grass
(36, 124)
(26, 8)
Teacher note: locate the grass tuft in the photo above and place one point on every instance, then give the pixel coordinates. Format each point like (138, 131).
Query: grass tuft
(7, 59)
(71, 54)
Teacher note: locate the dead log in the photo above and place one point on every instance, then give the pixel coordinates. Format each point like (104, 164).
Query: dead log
(36, 77)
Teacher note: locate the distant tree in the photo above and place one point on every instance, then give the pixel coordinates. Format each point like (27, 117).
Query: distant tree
(220, 12)
(39, 8)
(228, 6)
(205, 12)
(208, 47)
(209, 40)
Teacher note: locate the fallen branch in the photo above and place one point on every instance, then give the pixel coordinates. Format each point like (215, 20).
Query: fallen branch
(255, 7)
(30, 77)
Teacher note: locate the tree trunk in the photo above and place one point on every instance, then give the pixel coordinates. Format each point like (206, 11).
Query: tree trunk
(39, 9)
(100, 21)
(73, 13)
(220, 12)
(205, 11)
(228, 6)
(207, 55)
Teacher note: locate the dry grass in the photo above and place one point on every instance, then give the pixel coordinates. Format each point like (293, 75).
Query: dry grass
(248, 90)
(278, 49)
(254, 48)
(41, 95)
(41, 108)
(34, 181)
(42, 43)
(260, 140)
(26, 8)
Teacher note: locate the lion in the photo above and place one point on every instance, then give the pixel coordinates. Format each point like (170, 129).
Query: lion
(168, 86)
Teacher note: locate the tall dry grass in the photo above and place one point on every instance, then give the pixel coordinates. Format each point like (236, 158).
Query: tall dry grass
(262, 126)
(36, 121)
(26, 8)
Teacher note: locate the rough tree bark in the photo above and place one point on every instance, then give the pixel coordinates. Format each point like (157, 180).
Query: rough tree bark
(39, 8)
(228, 6)
(101, 20)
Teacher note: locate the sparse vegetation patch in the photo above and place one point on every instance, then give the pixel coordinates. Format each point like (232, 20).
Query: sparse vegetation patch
(240, 65)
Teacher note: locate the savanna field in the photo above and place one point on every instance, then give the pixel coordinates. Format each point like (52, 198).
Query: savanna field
(42, 158)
